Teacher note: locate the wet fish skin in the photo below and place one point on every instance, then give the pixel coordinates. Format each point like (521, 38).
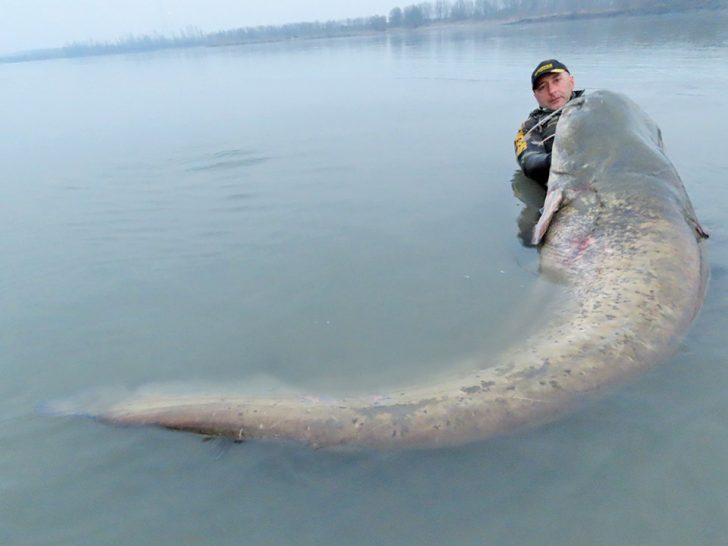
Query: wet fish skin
(618, 234)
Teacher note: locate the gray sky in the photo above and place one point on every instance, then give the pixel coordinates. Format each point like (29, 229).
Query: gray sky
(34, 24)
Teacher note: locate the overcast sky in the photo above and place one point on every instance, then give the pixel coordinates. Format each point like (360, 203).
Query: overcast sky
(35, 24)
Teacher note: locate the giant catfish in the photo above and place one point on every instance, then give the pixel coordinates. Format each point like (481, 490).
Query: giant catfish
(618, 233)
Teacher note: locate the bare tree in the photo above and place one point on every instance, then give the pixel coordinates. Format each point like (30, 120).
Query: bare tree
(442, 10)
(396, 17)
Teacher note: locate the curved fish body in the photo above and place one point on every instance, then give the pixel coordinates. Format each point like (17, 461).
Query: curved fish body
(618, 233)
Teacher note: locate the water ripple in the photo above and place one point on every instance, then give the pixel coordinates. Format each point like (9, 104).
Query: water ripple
(231, 159)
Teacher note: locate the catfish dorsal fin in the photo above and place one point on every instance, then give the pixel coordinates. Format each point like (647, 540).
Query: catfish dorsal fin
(553, 201)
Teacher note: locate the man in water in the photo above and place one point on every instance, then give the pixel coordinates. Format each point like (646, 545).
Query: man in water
(553, 87)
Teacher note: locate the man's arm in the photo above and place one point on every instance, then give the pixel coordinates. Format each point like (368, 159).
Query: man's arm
(532, 156)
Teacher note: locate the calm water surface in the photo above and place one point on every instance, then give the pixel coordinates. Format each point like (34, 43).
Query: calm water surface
(332, 216)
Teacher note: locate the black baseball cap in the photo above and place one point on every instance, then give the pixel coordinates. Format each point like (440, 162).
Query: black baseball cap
(548, 66)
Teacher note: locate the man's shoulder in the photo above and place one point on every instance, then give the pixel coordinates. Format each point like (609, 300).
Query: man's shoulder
(533, 118)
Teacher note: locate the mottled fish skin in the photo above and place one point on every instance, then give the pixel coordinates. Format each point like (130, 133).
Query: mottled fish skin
(624, 241)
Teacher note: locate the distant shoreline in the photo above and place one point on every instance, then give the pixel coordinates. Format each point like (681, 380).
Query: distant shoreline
(215, 39)
(609, 14)
(446, 25)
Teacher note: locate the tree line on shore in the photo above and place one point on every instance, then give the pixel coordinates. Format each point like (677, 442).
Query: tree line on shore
(408, 17)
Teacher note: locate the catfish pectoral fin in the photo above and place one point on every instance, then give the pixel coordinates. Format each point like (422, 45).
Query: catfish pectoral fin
(554, 198)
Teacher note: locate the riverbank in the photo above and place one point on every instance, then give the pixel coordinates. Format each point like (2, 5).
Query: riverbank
(326, 31)
(611, 14)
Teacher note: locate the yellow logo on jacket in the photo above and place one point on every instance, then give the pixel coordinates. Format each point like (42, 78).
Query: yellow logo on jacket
(520, 142)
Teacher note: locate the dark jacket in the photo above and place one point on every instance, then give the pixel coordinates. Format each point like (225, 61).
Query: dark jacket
(534, 141)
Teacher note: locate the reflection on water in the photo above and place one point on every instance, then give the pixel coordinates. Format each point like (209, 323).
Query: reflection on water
(532, 195)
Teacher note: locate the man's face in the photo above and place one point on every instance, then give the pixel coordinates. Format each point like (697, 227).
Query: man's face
(554, 90)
